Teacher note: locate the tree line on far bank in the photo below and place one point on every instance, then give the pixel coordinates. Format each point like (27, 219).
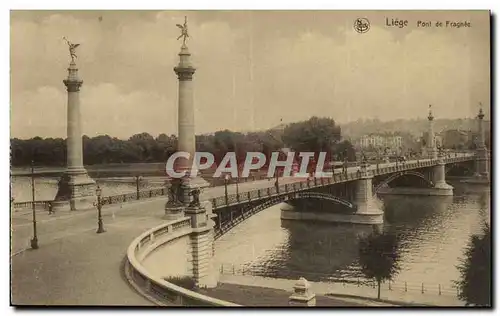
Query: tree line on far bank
(313, 135)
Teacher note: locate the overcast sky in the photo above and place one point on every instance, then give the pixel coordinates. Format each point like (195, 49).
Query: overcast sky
(253, 68)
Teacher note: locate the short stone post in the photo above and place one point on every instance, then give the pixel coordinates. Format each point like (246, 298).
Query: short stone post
(302, 294)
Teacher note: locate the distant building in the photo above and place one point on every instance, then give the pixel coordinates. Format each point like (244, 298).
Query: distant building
(455, 139)
(378, 141)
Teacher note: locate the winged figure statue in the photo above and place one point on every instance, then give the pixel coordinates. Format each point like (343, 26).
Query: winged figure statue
(72, 48)
(184, 31)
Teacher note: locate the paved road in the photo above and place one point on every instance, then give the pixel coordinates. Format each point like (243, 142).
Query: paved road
(74, 265)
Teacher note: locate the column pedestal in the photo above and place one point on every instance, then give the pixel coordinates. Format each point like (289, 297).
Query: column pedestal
(75, 192)
(202, 240)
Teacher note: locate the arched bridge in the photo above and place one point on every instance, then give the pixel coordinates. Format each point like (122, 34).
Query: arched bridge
(250, 209)
(353, 189)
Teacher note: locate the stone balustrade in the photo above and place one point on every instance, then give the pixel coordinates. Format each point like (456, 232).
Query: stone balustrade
(155, 288)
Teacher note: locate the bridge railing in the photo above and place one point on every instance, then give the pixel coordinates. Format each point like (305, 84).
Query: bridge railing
(39, 205)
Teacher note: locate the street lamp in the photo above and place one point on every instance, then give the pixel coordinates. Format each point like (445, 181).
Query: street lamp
(100, 228)
(34, 241)
(137, 179)
(226, 179)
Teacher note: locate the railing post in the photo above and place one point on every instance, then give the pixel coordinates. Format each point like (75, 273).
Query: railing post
(406, 287)
(249, 198)
(439, 288)
(422, 287)
(258, 193)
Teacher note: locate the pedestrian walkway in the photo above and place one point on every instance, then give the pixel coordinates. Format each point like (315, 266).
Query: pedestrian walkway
(323, 288)
(76, 266)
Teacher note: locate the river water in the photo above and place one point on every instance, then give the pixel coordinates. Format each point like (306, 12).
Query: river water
(434, 232)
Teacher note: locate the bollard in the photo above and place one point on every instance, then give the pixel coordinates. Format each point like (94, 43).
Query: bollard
(439, 288)
(406, 288)
(390, 285)
(358, 281)
(343, 281)
(422, 287)
(234, 274)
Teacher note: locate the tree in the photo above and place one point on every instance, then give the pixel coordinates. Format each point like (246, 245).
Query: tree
(345, 150)
(474, 286)
(379, 257)
(314, 135)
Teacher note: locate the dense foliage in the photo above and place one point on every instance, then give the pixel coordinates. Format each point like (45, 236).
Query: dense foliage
(379, 257)
(474, 286)
(316, 134)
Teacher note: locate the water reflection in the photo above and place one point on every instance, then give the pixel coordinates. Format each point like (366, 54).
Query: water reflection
(433, 232)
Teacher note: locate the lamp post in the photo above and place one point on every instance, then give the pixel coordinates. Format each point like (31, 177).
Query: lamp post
(237, 181)
(100, 228)
(34, 241)
(226, 179)
(137, 180)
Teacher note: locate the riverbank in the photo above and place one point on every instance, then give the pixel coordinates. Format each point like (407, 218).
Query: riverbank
(255, 296)
(396, 296)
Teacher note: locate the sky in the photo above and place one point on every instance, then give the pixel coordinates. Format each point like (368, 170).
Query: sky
(254, 68)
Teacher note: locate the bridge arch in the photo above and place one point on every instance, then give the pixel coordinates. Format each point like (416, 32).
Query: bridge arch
(398, 175)
(454, 167)
(251, 210)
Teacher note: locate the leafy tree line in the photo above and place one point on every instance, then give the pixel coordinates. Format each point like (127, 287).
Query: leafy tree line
(314, 135)
(476, 271)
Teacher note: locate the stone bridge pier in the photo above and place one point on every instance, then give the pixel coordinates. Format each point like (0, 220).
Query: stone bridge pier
(440, 187)
(368, 209)
(356, 204)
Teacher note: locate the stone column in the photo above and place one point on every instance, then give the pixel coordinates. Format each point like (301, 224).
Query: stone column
(76, 190)
(367, 210)
(431, 141)
(186, 136)
(302, 294)
(482, 170)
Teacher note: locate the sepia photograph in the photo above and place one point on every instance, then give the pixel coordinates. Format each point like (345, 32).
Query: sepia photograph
(250, 158)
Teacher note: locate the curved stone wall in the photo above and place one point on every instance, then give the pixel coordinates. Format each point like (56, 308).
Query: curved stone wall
(150, 283)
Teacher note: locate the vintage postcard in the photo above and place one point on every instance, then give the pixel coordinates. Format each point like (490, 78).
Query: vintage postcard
(250, 158)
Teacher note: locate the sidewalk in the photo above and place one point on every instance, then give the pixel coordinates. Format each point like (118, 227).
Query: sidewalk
(323, 288)
(76, 266)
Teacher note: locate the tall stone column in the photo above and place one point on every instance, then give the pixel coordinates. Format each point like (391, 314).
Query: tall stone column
(186, 137)
(482, 170)
(431, 141)
(76, 190)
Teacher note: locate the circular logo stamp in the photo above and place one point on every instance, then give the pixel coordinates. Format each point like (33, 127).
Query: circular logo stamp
(361, 25)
